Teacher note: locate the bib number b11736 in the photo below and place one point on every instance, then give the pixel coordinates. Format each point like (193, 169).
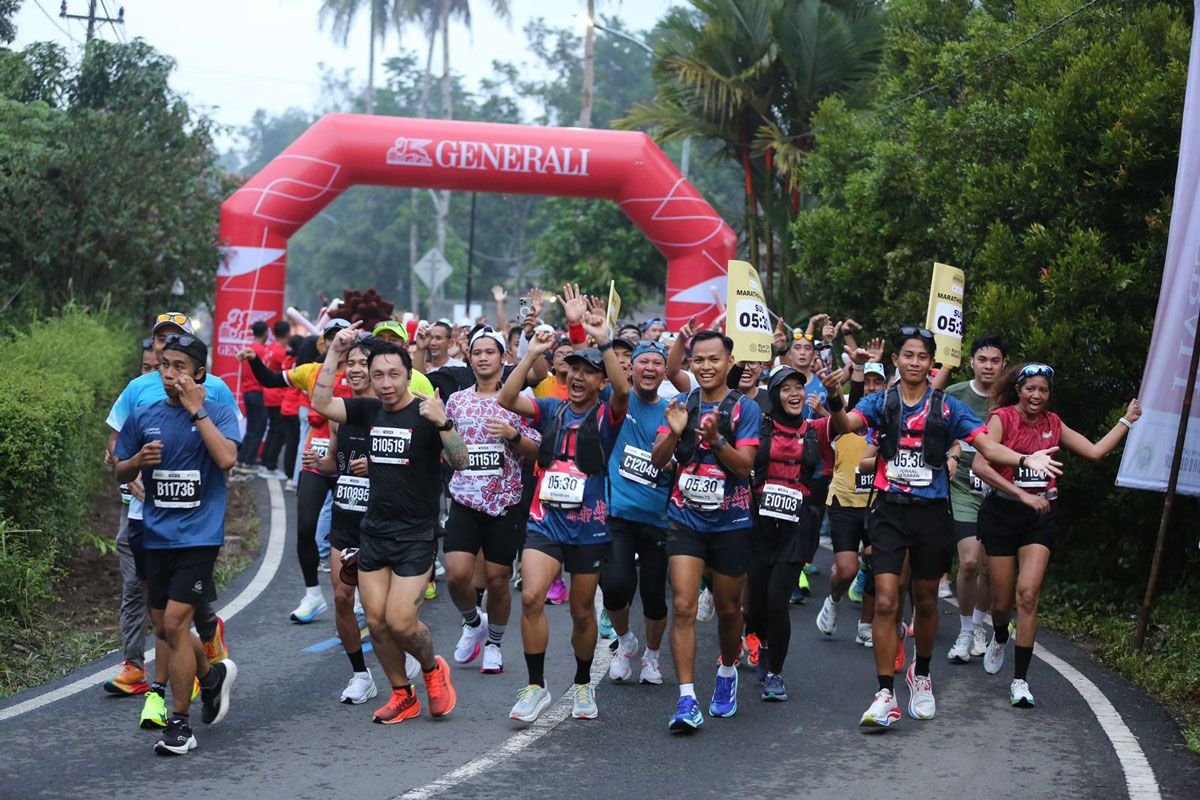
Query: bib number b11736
(176, 488)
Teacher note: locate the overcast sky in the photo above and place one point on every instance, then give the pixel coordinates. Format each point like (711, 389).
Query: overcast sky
(235, 56)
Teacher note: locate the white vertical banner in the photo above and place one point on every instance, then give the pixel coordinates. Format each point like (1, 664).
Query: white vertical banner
(1146, 463)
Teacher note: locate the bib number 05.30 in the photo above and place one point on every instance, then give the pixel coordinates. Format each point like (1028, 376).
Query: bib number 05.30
(703, 489)
(562, 486)
(176, 488)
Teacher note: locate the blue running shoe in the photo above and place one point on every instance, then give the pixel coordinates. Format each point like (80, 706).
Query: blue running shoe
(687, 716)
(855, 592)
(812, 569)
(774, 689)
(724, 702)
(604, 626)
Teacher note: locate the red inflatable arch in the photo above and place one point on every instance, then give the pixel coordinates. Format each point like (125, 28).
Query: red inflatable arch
(343, 150)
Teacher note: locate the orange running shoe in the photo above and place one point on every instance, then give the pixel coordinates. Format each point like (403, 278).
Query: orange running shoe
(901, 639)
(751, 648)
(442, 697)
(130, 680)
(214, 648)
(402, 705)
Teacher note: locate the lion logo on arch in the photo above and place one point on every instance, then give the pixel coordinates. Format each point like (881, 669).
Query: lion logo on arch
(406, 152)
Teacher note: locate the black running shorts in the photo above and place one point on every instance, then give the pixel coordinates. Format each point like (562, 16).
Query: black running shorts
(183, 574)
(405, 557)
(726, 552)
(922, 532)
(1005, 526)
(469, 531)
(847, 527)
(345, 529)
(577, 559)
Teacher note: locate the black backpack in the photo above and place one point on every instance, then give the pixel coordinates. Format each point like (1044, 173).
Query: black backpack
(685, 451)
(935, 437)
(810, 457)
(589, 455)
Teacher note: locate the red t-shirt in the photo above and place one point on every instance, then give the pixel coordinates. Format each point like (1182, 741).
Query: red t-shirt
(274, 359)
(1026, 438)
(249, 382)
(787, 451)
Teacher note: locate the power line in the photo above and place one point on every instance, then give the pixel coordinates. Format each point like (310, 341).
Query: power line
(91, 17)
(54, 22)
(120, 33)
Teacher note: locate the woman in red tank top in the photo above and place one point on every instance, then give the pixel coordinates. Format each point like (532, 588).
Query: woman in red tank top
(1017, 520)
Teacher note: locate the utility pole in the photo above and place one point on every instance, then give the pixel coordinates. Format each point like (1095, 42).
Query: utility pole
(91, 17)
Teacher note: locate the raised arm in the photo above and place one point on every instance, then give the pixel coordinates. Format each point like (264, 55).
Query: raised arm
(596, 326)
(675, 373)
(499, 295)
(510, 396)
(323, 401)
(268, 377)
(1080, 445)
(664, 445)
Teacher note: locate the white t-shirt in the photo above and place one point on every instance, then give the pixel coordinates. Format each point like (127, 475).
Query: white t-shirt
(667, 390)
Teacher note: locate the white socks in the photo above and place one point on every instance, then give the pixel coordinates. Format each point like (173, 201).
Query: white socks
(687, 690)
(726, 672)
(979, 617)
(967, 624)
(313, 592)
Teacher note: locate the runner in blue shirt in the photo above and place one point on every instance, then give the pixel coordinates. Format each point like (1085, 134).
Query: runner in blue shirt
(567, 526)
(182, 446)
(912, 518)
(637, 520)
(712, 434)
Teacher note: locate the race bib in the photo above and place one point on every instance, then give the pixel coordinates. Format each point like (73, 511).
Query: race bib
(390, 445)
(352, 493)
(484, 460)
(126, 493)
(976, 485)
(863, 481)
(780, 502)
(703, 489)
(176, 488)
(319, 446)
(561, 486)
(908, 468)
(637, 467)
(1029, 478)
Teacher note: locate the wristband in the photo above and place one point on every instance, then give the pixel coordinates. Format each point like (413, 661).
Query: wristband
(719, 444)
(836, 401)
(576, 332)
(1126, 423)
(1021, 462)
(605, 346)
(957, 460)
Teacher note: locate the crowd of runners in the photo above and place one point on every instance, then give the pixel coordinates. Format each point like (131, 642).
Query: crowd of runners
(632, 460)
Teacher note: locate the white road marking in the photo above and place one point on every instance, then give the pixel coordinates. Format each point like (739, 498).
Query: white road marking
(266, 572)
(514, 744)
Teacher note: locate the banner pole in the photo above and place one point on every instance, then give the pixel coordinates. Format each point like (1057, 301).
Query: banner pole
(1143, 620)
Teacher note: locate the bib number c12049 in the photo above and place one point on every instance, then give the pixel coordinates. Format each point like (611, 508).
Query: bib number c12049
(637, 467)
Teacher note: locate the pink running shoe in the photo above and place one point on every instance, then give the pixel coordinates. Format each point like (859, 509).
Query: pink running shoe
(557, 594)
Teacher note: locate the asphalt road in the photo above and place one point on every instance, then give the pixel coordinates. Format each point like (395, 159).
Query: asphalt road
(287, 736)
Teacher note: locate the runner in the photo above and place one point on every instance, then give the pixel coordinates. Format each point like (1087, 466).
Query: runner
(912, 519)
(567, 528)
(273, 399)
(256, 409)
(712, 433)
(637, 522)
(485, 509)
(1017, 521)
(182, 447)
(988, 355)
(786, 523)
(397, 546)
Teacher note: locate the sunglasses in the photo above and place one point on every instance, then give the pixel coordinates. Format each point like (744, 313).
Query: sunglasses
(148, 343)
(912, 330)
(798, 335)
(1036, 371)
(178, 319)
(181, 340)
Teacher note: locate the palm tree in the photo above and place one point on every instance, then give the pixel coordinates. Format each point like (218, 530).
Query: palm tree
(383, 14)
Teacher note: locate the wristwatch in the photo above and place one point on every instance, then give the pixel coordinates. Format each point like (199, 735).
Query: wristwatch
(199, 415)
(448, 425)
(515, 439)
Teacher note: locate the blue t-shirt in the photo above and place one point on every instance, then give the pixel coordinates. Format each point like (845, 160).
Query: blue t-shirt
(146, 389)
(705, 475)
(638, 492)
(185, 494)
(586, 524)
(910, 475)
(815, 387)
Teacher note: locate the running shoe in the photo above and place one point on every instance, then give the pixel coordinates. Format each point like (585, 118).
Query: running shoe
(993, 659)
(431, 591)
(311, 607)
(855, 592)
(531, 702)
(130, 680)
(944, 589)
(621, 667)
(921, 704)
(774, 690)
(883, 712)
(979, 641)
(214, 702)
(604, 627)
(412, 667)
(442, 697)
(751, 644)
(493, 661)
(1019, 694)
(960, 652)
(215, 649)
(272, 474)
(651, 674)
(705, 607)
(901, 640)
(154, 712)
(687, 717)
(827, 617)
(402, 705)
(812, 569)
(471, 641)
(865, 636)
(176, 740)
(557, 594)
(323, 565)
(724, 700)
(360, 689)
(583, 705)
(439, 571)
(290, 486)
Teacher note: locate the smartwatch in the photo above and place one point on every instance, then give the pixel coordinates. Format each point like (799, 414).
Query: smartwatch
(516, 438)
(199, 415)
(448, 425)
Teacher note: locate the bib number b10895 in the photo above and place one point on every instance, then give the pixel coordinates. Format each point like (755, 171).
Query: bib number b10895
(352, 493)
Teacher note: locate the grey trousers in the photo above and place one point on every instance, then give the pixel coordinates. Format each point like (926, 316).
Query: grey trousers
(135, 615)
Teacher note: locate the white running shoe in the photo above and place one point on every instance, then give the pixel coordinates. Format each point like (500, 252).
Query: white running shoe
(865, 636)
(360, 689)
(471, 641)
(650, 672)
(1019, 694)
(621, 667)
(979, 641)
(311, 607)
(960, 653)
(705, 608)
(438, 570)
(944, 589)
(584, 703)
(531, 702)
(493, 661)
(827, 617)
(993, 659)
(412, 667)
(883, 711)
(921, 704)
(290, 486)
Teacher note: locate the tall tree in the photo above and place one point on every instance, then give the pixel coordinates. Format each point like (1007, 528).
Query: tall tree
(589, 66)
(383, 14)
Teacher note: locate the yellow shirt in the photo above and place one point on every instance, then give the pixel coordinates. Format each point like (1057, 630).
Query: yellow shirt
(847, 451)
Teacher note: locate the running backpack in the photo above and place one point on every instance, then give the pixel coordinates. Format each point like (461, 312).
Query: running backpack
(589, 455)
(935, 436)
(685, 451)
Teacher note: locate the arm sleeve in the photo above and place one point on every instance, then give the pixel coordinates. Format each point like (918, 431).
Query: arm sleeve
(269, 378)
(545, 407)
(120, 411)
(220, 394)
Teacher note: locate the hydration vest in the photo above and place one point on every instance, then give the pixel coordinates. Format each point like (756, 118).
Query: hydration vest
(685, 451)
(810, 457)
(589, 455)
(935, 436)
